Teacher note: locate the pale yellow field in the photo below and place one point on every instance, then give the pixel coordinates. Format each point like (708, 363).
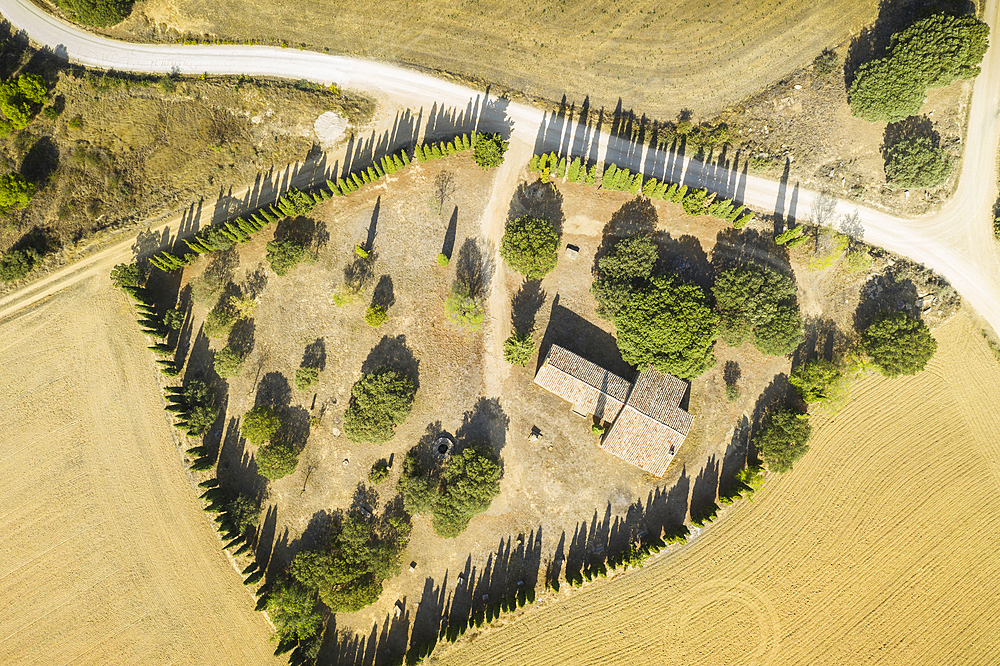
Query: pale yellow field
(106, 557)
(880, 547)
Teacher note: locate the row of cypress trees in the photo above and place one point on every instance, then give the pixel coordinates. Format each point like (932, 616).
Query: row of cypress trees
(698, 201)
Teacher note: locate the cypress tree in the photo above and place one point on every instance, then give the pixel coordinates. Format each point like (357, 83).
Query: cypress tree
(466, 144)
(622, 179)
(592, 175)
(342, 186)
(358, 182)
(574, 170)
(398, 163)
(195, 245)
(636, 184)
(373, 174)
(649, 187)
(671, 191)
(405, 157)
(365, 179)
(533, 163)
(436, 151)
(418, 152)
(660, 189)
(244, 227)
(679, 194)
(259, 221)
(561, 171)
(743, 221)
(608, 179)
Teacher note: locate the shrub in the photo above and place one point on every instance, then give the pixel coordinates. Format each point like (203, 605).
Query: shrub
(627, 266)
(260, 424)
(732, 393)
(597, 429)
(376, 315)
(898, 344)
(915, 162)
(378, 473)
(930, 53)
(820, 381)
(518, 348)
(530, 245)
(668, 324)
(380, 401)
(464, 309)
(284, 255)
(753, 301)
(100, 13)
(228, 362)
(16, 264)
(443, 259)
(277, 459)
(783, 438)
(488, 151)
(15, 192)
(294, 610)
(306, 378)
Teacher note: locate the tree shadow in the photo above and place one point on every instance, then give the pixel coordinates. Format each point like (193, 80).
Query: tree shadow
(731, 373)
(637, 217)
(241, 337)
(444, 189)
(735, 458)
(777, 391)
(909, 128)
(305, 231)
(256, 281)
(538, 199)
(571, 331)
(295, 425)
(525, 304)
(474, 268)
(822, 338)
(448, 246)
(373, 226)
(223, 264)
(706, 485)
(274, 390)
(314, 355)
(41, 161)
(734, 247)
(685, 257)
(394, 354)
(486, 422)
(360, 272)
(384, 296)
(885, 291)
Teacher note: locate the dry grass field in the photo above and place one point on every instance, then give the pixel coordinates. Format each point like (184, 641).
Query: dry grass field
(657, 58)
(107, 557)
(878, 548)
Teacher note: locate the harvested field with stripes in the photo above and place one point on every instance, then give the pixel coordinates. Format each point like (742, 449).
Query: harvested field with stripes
(878, 548)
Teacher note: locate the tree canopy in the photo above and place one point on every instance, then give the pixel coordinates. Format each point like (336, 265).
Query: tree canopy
(277, 459)
(454, 494)
(669, 324)
(201, 409)
(916, 162)
(260, 424)
(348, 570)
(489, 149)
(100, 13)
(783, 438)
(20, 99)
(284, 255)
(530, 245)
(898, 344)
(15, 192)
(128, 275)
(293, 609)
(380, 401)
(758, 303)
(930, 53)
(16, 264)
(627, 266)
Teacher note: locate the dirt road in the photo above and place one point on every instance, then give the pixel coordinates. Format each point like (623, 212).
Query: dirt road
(107, 558)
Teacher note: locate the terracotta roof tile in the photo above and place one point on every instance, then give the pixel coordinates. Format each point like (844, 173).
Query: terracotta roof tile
(584, 384)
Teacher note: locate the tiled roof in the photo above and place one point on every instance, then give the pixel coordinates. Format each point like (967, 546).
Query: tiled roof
(584, 384)
(651, 428)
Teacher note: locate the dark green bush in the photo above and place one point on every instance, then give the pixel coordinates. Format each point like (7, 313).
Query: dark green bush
(284, 255)
(916, 162)
(260, 424)
(758, 303)
(16, 264)
(488, 150)
(530, 245)
(306, 378)
(783, 438)
(99, 13)
(898, 344)
(518, 348)
(277, 459)
(228, 362)
(626, 267)
(380, 401)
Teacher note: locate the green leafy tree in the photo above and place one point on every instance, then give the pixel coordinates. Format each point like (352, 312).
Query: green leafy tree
(489, 150)
(127, 275)
(470, 481)
(277, 459)
(380, 401)
(898, 344)
(916, 162)
(244, 512)
(306, 378)
(220, 321)
(99, 13)
(821, 381)
(930, 53)
(463, 308)
(783, 438)
(530, 245)
(201, 409)
(284, 255)
(518, 348)
(670, 325)
(378, 473)
(16, 264)
(418, 488)
(626, 267)
(15, 192)
(173, 319)
(228, 362)
(294, 610)
(753, 301)
(260, 424)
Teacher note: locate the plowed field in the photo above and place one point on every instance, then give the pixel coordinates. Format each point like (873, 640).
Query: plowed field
(106, 556)
(878, 548)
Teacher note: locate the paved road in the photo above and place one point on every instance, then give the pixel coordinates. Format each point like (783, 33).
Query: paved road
(957, 242)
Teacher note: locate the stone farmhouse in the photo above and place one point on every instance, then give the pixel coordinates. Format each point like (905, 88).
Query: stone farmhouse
(647, 424)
